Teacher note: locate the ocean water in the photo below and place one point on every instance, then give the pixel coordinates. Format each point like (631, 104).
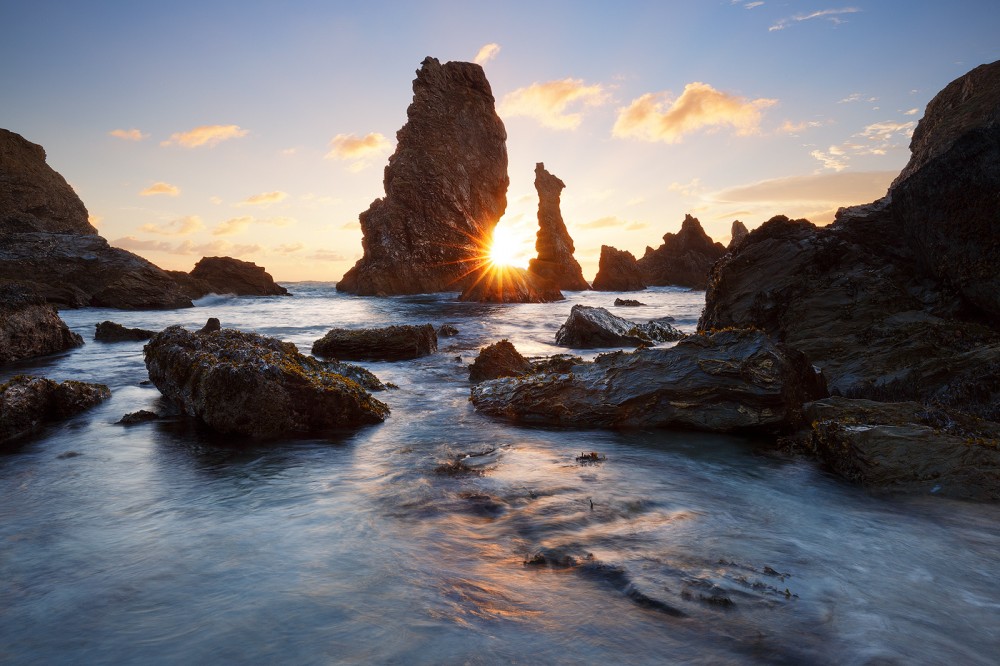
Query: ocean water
(162, 543)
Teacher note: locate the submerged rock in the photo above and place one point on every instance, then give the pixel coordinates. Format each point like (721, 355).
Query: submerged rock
(225, 275)
(109, 331)
(588, 327)
(628, 303)
(555, 262)
(141, 416)
(249, 384)
(29, 327)
(684, 259)
(618, 271)
(509, 284)
(499, 359)
(28, 404)
(391, 343)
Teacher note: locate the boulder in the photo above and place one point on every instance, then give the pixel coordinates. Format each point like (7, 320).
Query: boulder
(628, 303)
(445, 188)
(499, 359)
(588, 327)
(109, 331)
(249, 384)
(618, 271)
(141, 416)
(510, 284)
(555, 262)
(391, 343)
(684, 259)
(738, 233)
(447, 331)
(212, 324)
(731, 381)
(28, 404)
(29, 327)
(225, 275)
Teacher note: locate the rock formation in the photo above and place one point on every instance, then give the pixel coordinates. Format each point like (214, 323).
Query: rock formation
(738, 233)
(28, 404)
(225, 275)
(501, 359)
(391, 343)
(588, 327)
(684, 259)
(109, 331)
(555, 262)
(445, 188)
(30, 327)
(47, 243)
(249, 384)
(628, 303)
(510, 284)
(618, 271)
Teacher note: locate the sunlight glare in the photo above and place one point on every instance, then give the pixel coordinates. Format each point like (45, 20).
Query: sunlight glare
(507, 249)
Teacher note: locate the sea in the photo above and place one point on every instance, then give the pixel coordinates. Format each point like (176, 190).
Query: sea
(164, 543)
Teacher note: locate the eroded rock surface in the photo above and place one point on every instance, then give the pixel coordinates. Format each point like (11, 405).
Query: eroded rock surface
(589, 327)
(738, 233)
(500, 359)
(684, 259)
(510, 284)
(28, 404)
(555, 262)
(390, 343)
(618, 271)
(109, 331)
(225, 275)
(29, 327)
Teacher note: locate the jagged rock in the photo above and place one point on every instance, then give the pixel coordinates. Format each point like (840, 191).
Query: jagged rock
(391, 343)
(250, 384)
(225, 275)
(109, 331)
(29, 327)
(193, 288)
(47, 242)
(364, 377)
(447, 331)
(628, 303)
(28, 404)
(588, 327)
(445, 188)
(141, 416)
(730, 381)
(509, 284)
(684, 259)
(738, 233)
(618, 271)
(555, 262)
(499, 359)
(213, 324)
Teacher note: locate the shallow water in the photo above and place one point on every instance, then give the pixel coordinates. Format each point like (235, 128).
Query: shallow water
(163, 543)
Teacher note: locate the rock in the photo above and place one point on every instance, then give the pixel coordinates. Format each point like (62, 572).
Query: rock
(618, 271)
(509, 284)
(29, 327)
(193, 288)
(213, 324)
(364, 378)
(684, 259)
(588, 327)
(249, 384)
(738, 233)
(447, 331)
(731, 381)
(628, 303)
(225, 275)
(445, 188)
(109, 331)
(141, 416)
(500, 359)
(558, 363)
(555, 262)
(391, 343)
(28, 404)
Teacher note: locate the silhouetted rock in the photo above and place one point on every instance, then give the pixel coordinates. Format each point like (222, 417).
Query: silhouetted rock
(684, 259)
(555, 262)
(445, 188)
(499, 359)
(109, 331)
(249, 384)
(588, 327)
(738, 233)
(725, 382)
(213, 324)
(225, 275)
(391, 343)
(141, 416)
(509, 284)
(29, 327)
(28, 404)
(618, 271)
(628, 303)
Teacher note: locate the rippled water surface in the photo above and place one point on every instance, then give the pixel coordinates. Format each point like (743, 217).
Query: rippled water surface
(162, 543)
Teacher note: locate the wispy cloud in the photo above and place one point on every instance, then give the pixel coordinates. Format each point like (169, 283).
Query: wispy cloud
(359, 151)
(264, 199)
(487, 53)
(237, 225)
(289, 248)
(875, 139)
(857, 97)
(206, 135)
(179, 227)
(911, 112)
(752, 5)
(788, 127)
(128, 134)
(846, 188)
(548, 102)
(832, 15)
(160, 187)
(607, 222)
(832, 158)
(187, 248)
(690, 189)
(656, 117)
(327, 255)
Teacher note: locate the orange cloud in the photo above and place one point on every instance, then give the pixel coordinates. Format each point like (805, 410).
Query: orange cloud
(350, 147)
(179, 227)
(160, 187)
(830, 188)
(128, 134)
(186, 248)
(264, 199)
(547, 102)
(487, 53)
(236, 225)
(655, 117)
(206, 135)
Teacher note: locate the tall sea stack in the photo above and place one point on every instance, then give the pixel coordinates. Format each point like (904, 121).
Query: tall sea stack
(555, 261)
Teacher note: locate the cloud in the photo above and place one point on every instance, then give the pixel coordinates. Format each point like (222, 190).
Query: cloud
(236, 225)
(825, 188)
(354, 225)
(875, 139)
(264, 199)
(215, 200)
(833, 158)
(136, 245)
(289, 248)
(548, 102)
(186, 248)
(832, 15)
(636, 226)
(857, 97)
(128, 134)
(160, 187)
(911, 112)
(327, 255)
(751, 5)
(206, 135)
(95, 220)
(602, 223)
(655, 117)
(788, 127)
(179, 227)
(487, 53)
(690, 189)
(350, 147)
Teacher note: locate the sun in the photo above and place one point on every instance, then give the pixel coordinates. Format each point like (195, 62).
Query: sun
(507, 249)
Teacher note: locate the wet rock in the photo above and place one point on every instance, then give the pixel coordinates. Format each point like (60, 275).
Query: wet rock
(509, 284)
(618, 271)
(141, 416)
(559, 363)
(555, 262)
(213, 324)
(445, 188)
(225, 275)
(684, 259)
(28, 404)
(738, 233)
(29, 327)
(109, 331)
(628, 303)
(588, 327)
(736, 380)
(391, 343)
(499, 359)
(447, 331)
(362, 376)
(249, 384)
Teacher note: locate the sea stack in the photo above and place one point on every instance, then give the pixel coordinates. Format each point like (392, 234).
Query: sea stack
(618, 271)
(445, 188)
(555, 262)
(684, 259)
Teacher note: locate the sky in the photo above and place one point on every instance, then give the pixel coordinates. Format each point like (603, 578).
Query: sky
(260, 130)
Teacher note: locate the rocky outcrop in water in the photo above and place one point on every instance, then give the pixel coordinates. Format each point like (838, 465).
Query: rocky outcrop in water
(445, 188)
(48, 244)
(499, 359)
(684, 259)
(391, 343)
(555, 262)
(725, 382)
(29, 327)
(738, 233)
(588, 327)
(248, 384)
(225, 275)
(510, 284)
(618, 271)
(109, 331)
(28, 404)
